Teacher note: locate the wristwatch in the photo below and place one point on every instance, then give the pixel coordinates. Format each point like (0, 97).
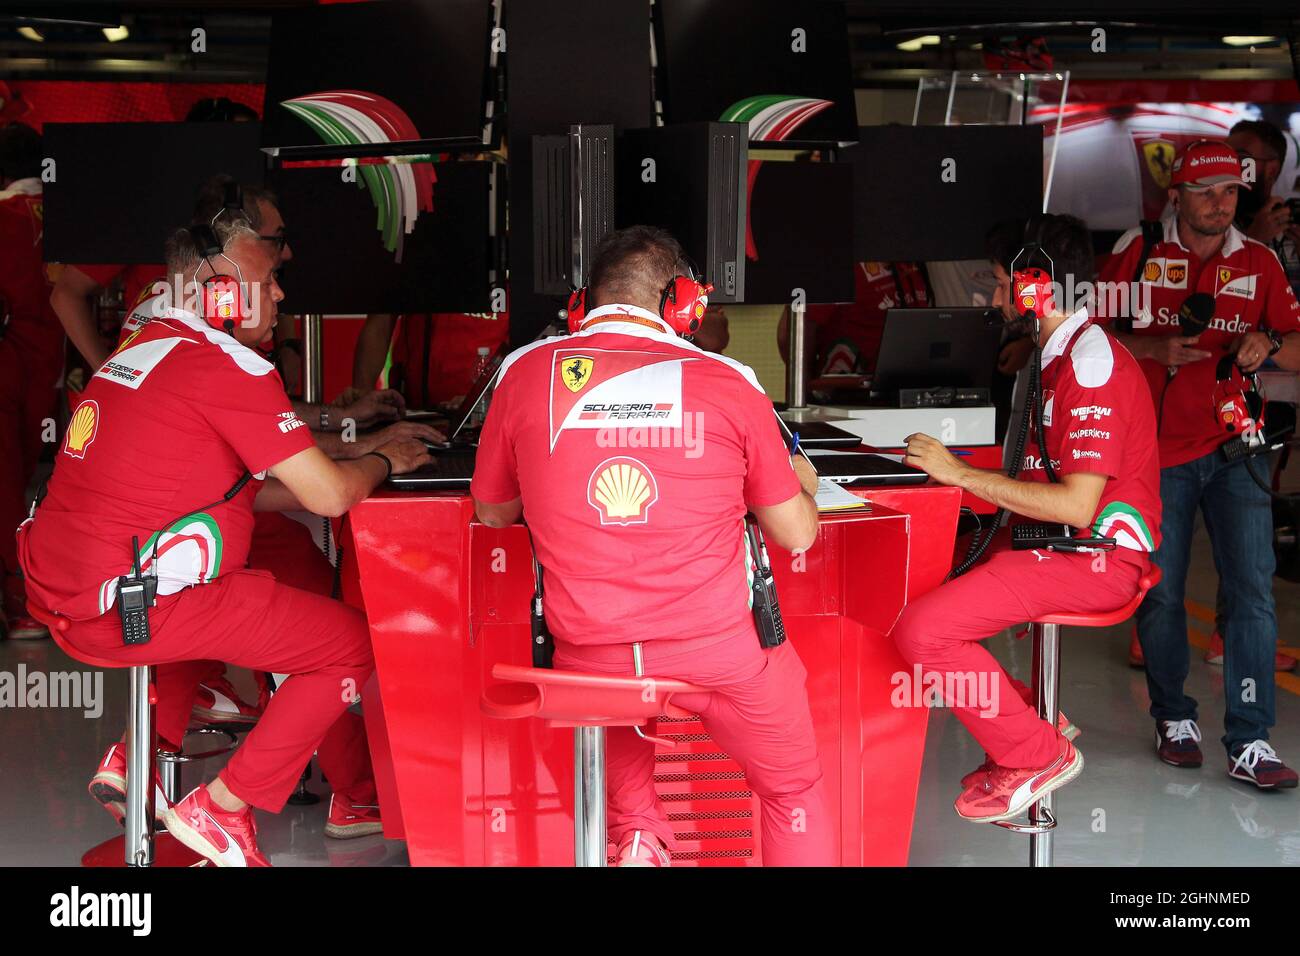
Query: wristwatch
(1276, 339)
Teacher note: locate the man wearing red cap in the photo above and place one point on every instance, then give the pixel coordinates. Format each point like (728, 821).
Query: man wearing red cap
(1255, 317)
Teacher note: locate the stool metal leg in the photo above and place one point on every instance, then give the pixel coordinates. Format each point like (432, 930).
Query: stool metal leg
(140, 747)
(1047, 685)
(589, 839)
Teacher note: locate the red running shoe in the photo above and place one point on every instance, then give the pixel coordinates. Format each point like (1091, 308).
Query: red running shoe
(1135, 655)
(108, 785)
(217, 702)
(1258, 763)
(225, 838)
(1178, 743)
(641, 849)
(1068, 730)
(1006, 792)
(25, 628)
(1214, 656)
(348, 819)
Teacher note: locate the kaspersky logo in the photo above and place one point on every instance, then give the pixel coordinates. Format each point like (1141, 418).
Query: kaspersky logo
(82, 429)
(622, 491)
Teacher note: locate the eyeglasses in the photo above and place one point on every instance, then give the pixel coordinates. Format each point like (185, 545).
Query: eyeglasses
(280, 241)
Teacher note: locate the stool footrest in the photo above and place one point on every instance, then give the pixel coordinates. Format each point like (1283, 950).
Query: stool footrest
(1048, 823)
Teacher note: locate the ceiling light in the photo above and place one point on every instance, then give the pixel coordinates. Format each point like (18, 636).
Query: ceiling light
(911, 46)
(1247, 41)
(114, 34)
(31, 33)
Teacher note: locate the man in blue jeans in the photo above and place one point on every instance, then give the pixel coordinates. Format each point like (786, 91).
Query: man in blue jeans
(1256, 316)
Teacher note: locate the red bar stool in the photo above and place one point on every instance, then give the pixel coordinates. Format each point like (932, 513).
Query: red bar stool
(140, 845)
(588, 703)
(1046, 636)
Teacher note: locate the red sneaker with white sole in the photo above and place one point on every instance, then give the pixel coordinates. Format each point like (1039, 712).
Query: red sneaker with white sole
(24, 628)
(1006, 792)
(1068, 730)
(1135, 656)
(217, 702)
(225, 838)
(641, 849)
(348, 819)
(1214, 656)
(108, 785)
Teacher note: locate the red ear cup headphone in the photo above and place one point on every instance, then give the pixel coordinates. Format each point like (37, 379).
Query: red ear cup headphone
(221, 299)
(682, 304)
(223, 304)
(1031, 286)
(1238, 404)
(1031, 293)
(577, 309)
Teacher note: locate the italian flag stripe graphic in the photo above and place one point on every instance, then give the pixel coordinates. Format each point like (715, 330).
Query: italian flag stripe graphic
(400, 190)
(1121, 521)
(200, 532)
(771, 117)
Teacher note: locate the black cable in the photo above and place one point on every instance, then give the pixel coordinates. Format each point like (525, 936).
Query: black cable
(235, 489)
(983, 539)
(1276, 496)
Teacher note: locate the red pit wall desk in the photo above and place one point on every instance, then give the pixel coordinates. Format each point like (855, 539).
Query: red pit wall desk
(447, 599)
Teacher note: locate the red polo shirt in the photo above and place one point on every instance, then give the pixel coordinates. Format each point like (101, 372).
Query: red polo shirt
(1250, 292)
(168, 424)
(24, 286)
(637, 455)
(1098, 419)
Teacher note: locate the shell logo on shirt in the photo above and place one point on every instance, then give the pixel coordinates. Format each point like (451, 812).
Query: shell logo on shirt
(576, 372)
(622, 491)
(82, 429)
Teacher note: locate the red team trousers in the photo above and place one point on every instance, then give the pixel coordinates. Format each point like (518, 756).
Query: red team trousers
(942, 631)
(249, 619)
(757, 712)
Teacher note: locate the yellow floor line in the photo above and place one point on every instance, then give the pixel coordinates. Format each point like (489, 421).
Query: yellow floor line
(1289, 682)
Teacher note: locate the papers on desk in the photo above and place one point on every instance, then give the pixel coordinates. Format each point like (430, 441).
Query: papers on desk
(833, 497)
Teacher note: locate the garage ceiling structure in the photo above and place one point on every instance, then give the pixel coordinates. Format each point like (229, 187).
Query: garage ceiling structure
(1170, 41)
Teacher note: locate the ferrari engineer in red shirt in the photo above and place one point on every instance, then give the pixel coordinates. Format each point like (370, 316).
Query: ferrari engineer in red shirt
(165, 459)
(1098, 474)
(646, 545)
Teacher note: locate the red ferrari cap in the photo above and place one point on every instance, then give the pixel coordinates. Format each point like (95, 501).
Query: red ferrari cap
(1207, 163)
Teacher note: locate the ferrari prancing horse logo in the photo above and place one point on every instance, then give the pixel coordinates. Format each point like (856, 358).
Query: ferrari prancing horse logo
(576, 372)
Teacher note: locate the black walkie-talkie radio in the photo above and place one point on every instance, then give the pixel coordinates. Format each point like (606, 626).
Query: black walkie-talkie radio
(767, 612)
(135, 595)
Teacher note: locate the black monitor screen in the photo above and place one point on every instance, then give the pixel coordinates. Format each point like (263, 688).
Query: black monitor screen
(346, 247)
(376, 72)
(781, 67)
(801, 223)
(119, 189)
(933, 192)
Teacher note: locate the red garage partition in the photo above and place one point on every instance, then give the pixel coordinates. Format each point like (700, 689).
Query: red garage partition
(447, 598)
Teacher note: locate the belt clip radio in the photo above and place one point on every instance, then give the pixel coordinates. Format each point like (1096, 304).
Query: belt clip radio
(135, 595)
(767, 612)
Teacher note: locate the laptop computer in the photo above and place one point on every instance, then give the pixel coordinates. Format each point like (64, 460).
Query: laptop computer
(858, 469)
(453, 462)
